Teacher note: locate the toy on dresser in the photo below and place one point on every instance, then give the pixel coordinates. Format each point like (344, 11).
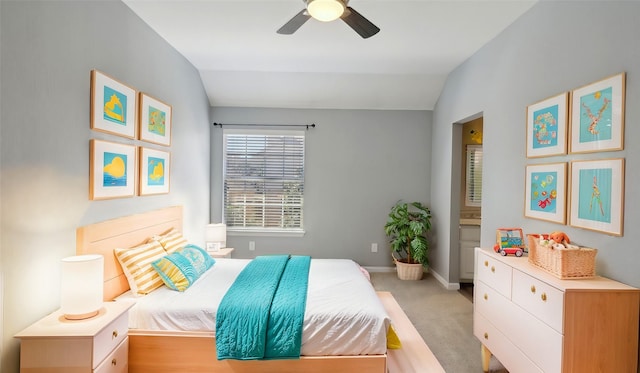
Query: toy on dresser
(556, 254)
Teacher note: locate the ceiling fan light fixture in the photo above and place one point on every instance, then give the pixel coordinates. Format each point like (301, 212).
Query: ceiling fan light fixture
(326, 10)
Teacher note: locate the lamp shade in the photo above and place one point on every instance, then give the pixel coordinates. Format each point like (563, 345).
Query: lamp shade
(325, 10)
(81, 289)
(216, 236)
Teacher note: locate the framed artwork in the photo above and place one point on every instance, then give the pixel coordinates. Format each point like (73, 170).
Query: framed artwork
(113, 106)
(597, 195)
(597, 116)
(111, 170)
(155, 120)
(154, 171)
(547, 127)
(546, 192)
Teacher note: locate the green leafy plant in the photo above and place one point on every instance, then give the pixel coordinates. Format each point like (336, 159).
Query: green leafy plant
(407, 226)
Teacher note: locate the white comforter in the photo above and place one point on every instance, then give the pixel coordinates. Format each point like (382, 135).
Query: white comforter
(344, 316)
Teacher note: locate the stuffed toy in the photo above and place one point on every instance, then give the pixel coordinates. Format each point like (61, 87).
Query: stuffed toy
(559, 238)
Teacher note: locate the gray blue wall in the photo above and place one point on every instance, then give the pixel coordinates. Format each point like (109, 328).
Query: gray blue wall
(555, 47)
(358, 163)
(48, 51)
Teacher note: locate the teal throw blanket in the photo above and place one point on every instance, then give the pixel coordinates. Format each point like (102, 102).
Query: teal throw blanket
(261, 315)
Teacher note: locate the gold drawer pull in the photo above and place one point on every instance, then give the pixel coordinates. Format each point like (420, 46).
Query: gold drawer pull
(114, 362)
(543, 297)
(486, 297)
(486, 335)
(533, 288)
(493, 269)
(114, 334)
(486, 263)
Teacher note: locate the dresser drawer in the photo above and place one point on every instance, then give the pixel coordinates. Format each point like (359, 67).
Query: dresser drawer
(494, 273)
(117, 361)
(110, 337)
(510, 356)
(540, 299)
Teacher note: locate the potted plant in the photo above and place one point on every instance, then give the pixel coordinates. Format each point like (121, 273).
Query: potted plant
(407, 226)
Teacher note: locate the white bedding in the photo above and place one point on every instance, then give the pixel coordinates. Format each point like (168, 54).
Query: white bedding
(344, 316)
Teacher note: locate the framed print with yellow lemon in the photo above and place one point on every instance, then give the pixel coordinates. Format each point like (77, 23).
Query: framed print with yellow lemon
(154, 171)
(155, 120)
(113, 106)
(546, 192)
(112, 170)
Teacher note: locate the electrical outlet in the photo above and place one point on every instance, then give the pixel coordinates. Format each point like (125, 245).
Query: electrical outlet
(374, 247)
(252, 245)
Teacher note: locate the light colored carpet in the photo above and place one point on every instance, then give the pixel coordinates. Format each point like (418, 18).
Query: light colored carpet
(444, 319)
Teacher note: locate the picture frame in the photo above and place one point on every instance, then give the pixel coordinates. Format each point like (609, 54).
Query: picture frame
(112, 170)
(597, 116)
(155, 167)
(546, 192)
(155, 120)
(113, 106)
(597, 195)
(547, 126)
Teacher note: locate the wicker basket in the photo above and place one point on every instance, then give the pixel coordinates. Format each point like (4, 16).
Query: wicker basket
(564, 264)
(408, 271)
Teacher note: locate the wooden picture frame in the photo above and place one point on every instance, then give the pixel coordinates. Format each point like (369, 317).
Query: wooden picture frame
(154, 171)
(113, 106)
(112, 170)
(546, 192)
(597, 116)
(155, 120)
(597, 195)
(547, 126)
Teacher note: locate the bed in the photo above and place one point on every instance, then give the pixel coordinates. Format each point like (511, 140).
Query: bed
(160, 345)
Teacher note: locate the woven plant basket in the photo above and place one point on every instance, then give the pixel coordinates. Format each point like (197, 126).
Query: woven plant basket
(408, 271)
(564, 264)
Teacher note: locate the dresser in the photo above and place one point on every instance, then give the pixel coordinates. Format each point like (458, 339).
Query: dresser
(532, 321)
(96, 345)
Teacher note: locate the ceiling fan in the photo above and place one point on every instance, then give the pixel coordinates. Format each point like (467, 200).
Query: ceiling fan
(330, 10)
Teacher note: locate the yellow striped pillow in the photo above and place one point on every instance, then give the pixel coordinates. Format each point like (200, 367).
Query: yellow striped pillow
(172, 240)
(136, 264)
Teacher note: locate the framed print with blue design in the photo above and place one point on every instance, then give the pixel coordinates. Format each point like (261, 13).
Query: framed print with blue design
(113, 106)
(112, 170)
(547, 127)
(597, 195)
(546, 192)
(154, 171)
(597, 116)
(155, 120)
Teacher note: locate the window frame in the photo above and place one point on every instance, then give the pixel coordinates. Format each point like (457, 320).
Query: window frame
(471, 152)
(262, 231)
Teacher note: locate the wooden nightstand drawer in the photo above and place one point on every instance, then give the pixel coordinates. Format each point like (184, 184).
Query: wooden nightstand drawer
(117, 361)
(110, 337)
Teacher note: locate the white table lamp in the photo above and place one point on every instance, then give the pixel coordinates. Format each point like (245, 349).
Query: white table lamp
(81, 289)
(216, 236)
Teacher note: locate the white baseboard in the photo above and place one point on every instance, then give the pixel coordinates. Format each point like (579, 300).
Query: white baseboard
(441, 280)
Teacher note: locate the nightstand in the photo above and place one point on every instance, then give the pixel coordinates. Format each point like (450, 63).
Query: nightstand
(96, 345)
(222, 253)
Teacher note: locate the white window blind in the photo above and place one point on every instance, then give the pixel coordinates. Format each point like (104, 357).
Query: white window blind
(264, 180)
(474, 176)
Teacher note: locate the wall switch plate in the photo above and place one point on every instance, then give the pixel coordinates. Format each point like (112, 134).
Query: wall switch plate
(252, 245)
(374, 247)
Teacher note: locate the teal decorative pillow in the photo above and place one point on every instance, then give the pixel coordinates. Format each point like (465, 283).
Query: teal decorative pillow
(200, 260)
(176, 271)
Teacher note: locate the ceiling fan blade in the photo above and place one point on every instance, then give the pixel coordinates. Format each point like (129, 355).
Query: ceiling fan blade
(359, 24)
(294, 23)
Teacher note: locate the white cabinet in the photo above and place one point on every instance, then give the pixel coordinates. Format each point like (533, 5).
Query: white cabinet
(533, 322)
(96, 345)
(469, 240)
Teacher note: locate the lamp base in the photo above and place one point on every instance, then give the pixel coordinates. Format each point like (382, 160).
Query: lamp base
(82, 316)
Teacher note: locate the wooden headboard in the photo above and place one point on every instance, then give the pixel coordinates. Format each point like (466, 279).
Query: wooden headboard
(103, 237)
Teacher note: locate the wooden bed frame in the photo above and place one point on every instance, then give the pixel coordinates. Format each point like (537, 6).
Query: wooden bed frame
(169, 351)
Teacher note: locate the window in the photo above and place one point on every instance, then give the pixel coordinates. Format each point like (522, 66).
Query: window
(264, 181)
(473, 195)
